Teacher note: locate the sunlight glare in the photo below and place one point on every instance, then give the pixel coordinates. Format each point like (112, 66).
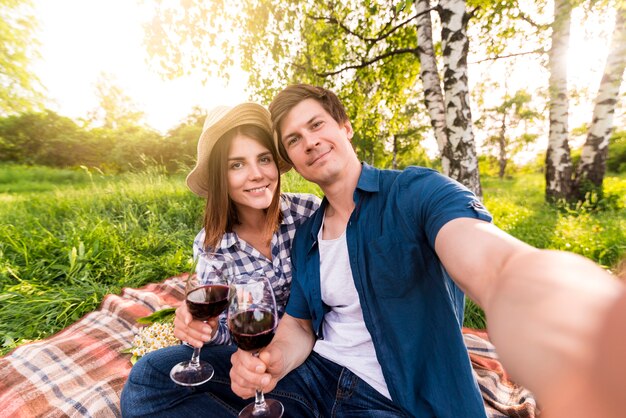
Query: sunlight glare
(82, 39)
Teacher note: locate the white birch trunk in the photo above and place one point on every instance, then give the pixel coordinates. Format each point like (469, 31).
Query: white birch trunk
(433, 95)
(459, 151)
(558, 159)
(592, 164)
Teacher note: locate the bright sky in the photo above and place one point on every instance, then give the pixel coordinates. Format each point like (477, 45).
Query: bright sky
(83, 38)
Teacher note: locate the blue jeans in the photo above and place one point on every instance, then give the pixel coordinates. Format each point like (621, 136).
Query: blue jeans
(318, 388)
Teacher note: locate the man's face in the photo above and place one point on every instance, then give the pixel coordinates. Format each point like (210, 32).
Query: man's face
(317, 145)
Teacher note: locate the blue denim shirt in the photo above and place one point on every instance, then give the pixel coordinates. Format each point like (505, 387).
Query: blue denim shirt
(411, 307)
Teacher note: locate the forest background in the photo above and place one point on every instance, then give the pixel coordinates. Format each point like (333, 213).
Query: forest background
(477, 89)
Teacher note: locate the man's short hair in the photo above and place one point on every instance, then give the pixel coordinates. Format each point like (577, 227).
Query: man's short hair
(291, 96)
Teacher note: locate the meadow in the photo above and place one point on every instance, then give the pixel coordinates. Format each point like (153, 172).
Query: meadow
(69, 237)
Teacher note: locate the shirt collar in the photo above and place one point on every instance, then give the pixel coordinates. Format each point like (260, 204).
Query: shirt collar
(288, 218)
(368, 180)
(230, 238)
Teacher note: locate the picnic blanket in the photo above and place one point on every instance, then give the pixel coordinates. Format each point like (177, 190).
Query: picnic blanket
(80, 371)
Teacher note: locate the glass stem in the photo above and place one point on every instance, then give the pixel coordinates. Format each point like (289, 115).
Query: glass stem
(195, 358)
(259, 399)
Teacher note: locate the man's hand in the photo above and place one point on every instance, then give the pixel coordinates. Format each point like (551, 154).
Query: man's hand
(192, 331)
(250, 373)
(291, 345)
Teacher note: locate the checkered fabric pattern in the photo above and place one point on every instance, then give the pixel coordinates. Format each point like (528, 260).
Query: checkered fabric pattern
(295, 208)
(80, 372)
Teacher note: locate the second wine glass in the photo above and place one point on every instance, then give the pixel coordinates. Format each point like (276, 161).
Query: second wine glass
(252, 319)
(207, 295)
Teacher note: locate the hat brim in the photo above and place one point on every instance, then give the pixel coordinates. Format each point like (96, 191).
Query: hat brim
(220, 121)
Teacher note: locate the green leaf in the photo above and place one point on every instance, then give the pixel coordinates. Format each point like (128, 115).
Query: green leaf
(163, 315)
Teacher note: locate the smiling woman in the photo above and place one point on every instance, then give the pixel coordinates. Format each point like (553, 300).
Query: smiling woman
(82, 41)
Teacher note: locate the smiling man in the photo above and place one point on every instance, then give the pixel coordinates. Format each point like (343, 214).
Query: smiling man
(373, 323)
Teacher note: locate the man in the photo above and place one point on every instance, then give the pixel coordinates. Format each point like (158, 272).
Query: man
(373, 324)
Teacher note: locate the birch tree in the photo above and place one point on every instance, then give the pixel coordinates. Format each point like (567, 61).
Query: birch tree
(433, 95)
(592, 165)
(558, 159)
(459, 159)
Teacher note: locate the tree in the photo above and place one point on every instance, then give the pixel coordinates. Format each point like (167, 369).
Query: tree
(116, 109)
(18, 84)
(458, 158)
(558, 158)
(365, 51)
(562, 181)
(38, 138)
(592, 166)
(510, 114)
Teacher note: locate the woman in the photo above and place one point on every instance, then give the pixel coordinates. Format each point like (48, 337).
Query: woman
(246, 216)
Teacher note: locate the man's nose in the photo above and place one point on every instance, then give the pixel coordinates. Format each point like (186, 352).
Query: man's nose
(310, 141)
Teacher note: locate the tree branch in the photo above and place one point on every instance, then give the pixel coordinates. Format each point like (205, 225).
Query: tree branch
(380, 36)
(364, 64)
(531, 22)
(497, 57)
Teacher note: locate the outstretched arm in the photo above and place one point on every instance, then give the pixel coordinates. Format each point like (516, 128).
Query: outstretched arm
(545, 309)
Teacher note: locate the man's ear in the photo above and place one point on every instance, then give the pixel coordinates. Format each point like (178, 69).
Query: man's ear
(349, 130)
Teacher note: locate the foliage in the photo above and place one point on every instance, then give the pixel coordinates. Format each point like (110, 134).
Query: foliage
(364, 51)
(18, 83)
(69, 237)
(506, 141)
(616, 161)
(116, 110)
(46, 138)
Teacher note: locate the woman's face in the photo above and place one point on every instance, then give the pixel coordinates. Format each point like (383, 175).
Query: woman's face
(252, 173)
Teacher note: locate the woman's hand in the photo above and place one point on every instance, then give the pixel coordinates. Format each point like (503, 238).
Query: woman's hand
(192, 331)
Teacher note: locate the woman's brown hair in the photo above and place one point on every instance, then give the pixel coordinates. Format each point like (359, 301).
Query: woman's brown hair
(220, 214)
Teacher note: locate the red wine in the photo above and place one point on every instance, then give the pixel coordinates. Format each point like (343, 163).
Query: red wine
(252, 330)
(207, 301)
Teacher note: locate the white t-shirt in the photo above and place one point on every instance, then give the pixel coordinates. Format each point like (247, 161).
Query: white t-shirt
(347, 341)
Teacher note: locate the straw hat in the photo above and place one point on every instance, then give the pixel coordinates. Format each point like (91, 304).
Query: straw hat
(218, 121)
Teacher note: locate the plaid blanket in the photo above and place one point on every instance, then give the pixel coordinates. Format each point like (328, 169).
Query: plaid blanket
(80, 371)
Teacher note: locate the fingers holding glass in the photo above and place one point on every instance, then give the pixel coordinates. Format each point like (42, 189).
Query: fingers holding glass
(252, 320)
(207, 294)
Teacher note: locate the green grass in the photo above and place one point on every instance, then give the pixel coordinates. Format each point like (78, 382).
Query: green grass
(69, 237)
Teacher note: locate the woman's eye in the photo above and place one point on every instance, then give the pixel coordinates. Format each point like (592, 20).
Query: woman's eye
(266, 160)
(236, 166)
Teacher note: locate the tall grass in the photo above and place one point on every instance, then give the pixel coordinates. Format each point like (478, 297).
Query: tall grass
(69, 237)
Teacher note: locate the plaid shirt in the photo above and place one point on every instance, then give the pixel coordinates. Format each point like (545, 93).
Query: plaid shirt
(296, 208)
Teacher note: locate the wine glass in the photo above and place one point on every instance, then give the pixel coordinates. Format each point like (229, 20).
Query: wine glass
(252, 319)
(207, 294)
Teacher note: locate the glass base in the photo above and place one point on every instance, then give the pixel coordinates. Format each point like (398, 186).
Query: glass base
(273, 409)
(185, 374)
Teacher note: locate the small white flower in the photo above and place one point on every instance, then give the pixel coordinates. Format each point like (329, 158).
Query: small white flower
(153, 337)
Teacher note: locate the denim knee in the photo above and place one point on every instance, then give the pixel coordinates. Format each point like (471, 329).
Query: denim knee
(149, 388)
